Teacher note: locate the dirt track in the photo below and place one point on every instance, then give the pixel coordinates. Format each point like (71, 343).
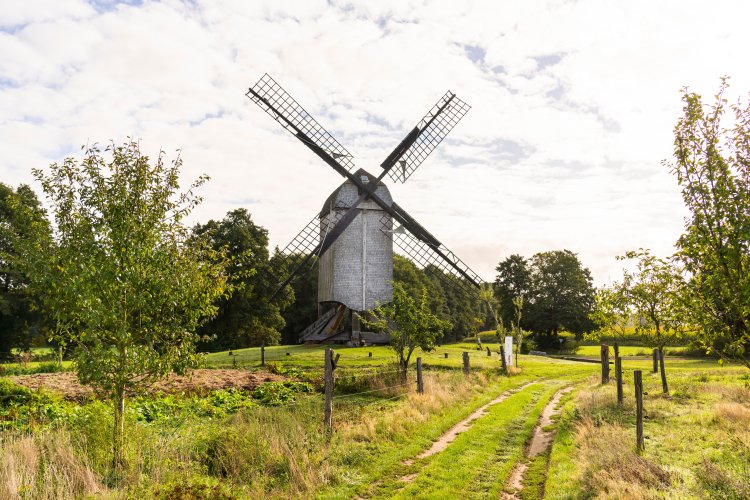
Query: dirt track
(196, 381)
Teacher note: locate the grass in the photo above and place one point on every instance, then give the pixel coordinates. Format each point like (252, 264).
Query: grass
(698, 438)
(628, 350)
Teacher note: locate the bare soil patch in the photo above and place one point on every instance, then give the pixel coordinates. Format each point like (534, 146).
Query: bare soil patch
(194, 382)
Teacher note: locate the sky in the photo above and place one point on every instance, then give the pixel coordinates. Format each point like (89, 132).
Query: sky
(573, 107)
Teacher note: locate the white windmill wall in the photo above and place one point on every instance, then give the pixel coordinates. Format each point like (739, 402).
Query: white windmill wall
(358, 268)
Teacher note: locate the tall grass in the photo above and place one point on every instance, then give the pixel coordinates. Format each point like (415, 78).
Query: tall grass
(258, 452)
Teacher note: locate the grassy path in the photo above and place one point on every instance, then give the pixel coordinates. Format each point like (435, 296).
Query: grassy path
(478, 462)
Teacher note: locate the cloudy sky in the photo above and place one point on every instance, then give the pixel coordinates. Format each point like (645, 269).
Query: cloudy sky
(573, 106)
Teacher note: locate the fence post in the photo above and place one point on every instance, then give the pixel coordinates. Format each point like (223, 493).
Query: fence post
(420, 382)
(369, 354)
(618, 375)
(655, 355)
(329, 366)
(638, 379)
(489, 353)
(502, 359)
(445, 355)
(466, 363)
(605, 364)
(263, 354)
(617, 350)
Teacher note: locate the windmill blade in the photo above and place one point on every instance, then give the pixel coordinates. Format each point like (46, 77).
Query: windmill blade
(425, 137)
(307, 244)
(426, 251)
(282, 107)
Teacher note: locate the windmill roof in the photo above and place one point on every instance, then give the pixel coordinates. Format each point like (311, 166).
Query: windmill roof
(333, 197)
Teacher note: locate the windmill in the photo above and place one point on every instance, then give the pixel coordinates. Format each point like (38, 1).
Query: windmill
(353, 235)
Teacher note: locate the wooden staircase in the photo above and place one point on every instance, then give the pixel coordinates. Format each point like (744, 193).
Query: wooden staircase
(325, 327)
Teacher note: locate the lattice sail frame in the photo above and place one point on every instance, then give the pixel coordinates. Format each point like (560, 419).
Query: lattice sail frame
(425, 257)
(438, 124)
(271, 96)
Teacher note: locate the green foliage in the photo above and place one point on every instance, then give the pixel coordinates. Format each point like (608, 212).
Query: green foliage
(446, 299)
(561, 298)
(122, 278)
(194, 488)
(23, 409)
(276, 393)
(652, 294)
(713, 169)
(246, 317)
(409, 323)
(21, 215)
(612, 313)
(304, 290)
(513, 280)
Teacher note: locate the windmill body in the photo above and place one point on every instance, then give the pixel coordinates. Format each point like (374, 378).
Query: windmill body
(357, 269)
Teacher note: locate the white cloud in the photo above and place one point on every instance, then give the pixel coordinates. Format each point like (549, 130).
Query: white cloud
(573, 106)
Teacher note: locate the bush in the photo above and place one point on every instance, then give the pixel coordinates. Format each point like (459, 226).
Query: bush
(276, 393)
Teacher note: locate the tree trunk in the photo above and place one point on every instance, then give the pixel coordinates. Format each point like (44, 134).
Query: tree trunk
(664, 386)
(118, 435)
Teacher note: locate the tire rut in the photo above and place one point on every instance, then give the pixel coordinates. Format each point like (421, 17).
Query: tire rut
(541, 441)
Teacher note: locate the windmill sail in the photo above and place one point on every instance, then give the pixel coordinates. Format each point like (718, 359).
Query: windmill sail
(414, 241)
(282, 107)
(425, 137)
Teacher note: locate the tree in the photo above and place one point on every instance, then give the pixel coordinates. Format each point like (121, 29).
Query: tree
(492, 309)
(518, 309)
(409, 323)
(513, 280)
(653, 293)
(247, 317)
(303, 295)
(20, 215)
(612, 313)
(712, 165)
(122, 273)
(561, 297)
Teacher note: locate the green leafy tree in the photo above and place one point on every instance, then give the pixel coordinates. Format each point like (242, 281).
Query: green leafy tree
(122, 273)
(561, 297)
(247, 317)
(513, 280)
(653, 292)
(303, 295)
(712, 165)
(21, 216)
(409, 322)
(612, 313)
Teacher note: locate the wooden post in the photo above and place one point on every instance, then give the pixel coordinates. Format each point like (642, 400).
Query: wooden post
(420, 382)
(655, 355)
(466, 363)
(369, 354)
(664, 386)
(618, 375)
(502, 359)
(234, 361)
(605, 364)
(445, 355)
(638, 379)
(617, 350)
(329, 364)
(263, 354)
(489, 353)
